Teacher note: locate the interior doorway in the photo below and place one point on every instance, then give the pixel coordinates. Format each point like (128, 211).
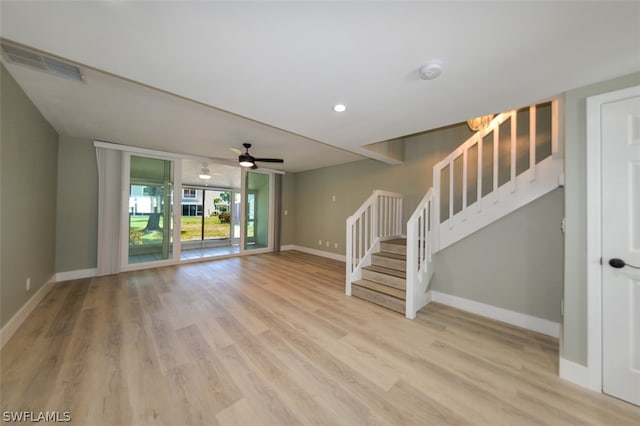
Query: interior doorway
(621, 249)
(613, 243)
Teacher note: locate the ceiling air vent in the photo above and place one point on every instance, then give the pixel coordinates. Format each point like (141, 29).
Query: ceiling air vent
(34, 60)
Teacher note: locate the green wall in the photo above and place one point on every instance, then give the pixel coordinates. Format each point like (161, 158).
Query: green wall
(575, 341)
(77, 207)
(515, 263)
(28, 198)
(287, 221)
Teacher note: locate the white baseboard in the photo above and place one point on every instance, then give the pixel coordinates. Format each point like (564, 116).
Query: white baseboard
(75, 275)
(16, 321)
(574, 373)
(518, 319)
(326, 254)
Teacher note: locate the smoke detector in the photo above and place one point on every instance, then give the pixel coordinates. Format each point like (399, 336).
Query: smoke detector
(430, 70)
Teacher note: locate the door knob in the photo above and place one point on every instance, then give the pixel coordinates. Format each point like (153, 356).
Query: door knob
(619, 263)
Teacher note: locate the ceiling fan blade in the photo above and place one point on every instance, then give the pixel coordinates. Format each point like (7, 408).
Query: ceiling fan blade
(254, 167)
(270, 160)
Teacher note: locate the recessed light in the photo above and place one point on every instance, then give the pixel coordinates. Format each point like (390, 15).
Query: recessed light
(339, 108)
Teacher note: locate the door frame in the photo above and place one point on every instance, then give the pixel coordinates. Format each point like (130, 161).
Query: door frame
(243, 215)
(124, 220)
(594, 230)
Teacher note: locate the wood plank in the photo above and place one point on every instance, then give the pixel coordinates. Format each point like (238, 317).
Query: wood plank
(387, 271)
(378, 298)
(380, 288)
(387, 261)
(272, 339)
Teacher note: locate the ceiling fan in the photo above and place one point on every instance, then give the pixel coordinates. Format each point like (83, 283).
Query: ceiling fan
(247, 160)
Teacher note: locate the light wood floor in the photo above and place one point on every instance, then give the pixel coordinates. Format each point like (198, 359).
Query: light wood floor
(271, 339)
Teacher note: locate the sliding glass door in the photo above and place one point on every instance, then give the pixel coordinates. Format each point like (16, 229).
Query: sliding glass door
(150, 209)
(163, 226)
(257, 224)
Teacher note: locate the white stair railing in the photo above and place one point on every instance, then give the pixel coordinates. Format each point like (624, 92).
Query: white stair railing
(487, 177)
(419, 249)
(378, 218)
(496, 171)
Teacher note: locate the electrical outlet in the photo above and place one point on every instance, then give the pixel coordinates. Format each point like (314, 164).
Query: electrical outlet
(319, 242)
(327, 243)
(333, 198)
(286, 212)
(335, 245)
(28, 283)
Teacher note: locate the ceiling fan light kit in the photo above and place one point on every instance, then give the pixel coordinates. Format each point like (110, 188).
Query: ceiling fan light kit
(204, 174)
(249, 161)
(246, 162)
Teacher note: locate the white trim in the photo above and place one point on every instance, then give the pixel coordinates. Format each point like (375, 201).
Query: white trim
(518, 319)
(329, 255)
(75, 275)
(19, 317)
(173, 155)
(574, 373)
(594, 231)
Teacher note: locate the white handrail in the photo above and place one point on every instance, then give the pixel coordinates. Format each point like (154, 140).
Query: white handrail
(379, 217)
(419, 250)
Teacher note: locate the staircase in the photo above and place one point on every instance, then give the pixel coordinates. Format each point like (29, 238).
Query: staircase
(512, 162)
(384, 281)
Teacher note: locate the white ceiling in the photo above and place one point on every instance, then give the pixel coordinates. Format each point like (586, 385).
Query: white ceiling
(286, 64)
(222, 176)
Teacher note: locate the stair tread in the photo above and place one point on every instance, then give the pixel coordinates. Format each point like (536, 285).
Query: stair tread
(381, 288)
(387, 271)
(379, 299)
(390, 255)
(398, 241)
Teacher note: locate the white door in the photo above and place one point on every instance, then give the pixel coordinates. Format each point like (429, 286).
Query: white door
(621, 248)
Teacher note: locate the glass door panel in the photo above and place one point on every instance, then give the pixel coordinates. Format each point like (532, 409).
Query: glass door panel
(257, 196)
(217, 221)
(150, 209)
(191, 219)
(235, 215)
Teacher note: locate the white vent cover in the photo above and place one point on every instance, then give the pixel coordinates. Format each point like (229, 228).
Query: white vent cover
(31, 59)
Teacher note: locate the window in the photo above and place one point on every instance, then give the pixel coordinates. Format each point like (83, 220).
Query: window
(189, 193)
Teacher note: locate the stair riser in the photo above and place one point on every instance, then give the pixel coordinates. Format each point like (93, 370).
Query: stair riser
(400, 265)
(393, 248)
(391, 281)
(379, 298)
(384, 289)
